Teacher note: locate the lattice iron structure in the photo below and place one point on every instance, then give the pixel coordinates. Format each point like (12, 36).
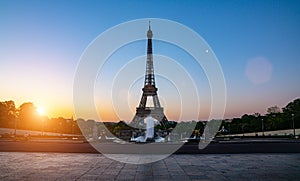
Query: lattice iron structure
(149, 90)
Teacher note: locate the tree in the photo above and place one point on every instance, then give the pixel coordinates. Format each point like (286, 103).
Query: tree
(292, 112)
(256, 123)
(8, 114)
(273, 110)
(292, 107)
(29, 119)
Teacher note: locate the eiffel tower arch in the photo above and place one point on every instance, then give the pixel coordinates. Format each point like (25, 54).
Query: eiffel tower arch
(149, 91)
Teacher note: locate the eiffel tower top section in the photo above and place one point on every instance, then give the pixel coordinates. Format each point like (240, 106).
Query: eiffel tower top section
(149, 76)
(149, 35)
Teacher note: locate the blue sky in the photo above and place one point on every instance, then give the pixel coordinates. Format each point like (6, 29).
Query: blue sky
(41, 43)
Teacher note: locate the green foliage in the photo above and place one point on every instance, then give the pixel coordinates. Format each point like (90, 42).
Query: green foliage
(275, 119)
(8, 114)
(292, 111)
(26, 118)
(29, 118)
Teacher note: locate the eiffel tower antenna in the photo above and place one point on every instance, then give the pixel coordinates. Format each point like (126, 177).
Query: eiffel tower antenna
(149, 90)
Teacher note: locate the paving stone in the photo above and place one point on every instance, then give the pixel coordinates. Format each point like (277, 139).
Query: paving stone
(198, 177)
(177, 173)
(125, 177)
(180, 177)
(161, 178)
(143, 177)
(64, 166)
(160, 172)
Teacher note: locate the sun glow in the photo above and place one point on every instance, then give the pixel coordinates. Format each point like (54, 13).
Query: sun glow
(40, 111)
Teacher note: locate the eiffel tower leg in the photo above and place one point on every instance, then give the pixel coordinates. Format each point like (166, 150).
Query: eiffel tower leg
(142, 113)
(156, 101)
(136, 122)
(143, 101)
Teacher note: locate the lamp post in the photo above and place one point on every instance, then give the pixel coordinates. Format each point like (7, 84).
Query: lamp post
(15, 133)
(262, 127)
(13, 115)
(293, 125)
(41, 113)
(42, 126)
(243, 129)
(257, 119)
(60, 125)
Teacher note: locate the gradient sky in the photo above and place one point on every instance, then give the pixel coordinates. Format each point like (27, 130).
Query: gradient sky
(256, 42)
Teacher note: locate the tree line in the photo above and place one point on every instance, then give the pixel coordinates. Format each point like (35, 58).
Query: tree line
(26, 117)
(276, 118)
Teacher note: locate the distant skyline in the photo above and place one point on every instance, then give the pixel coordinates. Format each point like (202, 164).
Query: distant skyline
(257, 44)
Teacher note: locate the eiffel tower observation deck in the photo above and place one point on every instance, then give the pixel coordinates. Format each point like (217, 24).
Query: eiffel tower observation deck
(149, 91)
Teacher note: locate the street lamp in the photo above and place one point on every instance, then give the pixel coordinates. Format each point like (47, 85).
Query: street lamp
(11, 113)
(243, 126)
(262, 127)
(15, 126)
(60, 125)
(43, 126)
(293, 125)
(41, 112)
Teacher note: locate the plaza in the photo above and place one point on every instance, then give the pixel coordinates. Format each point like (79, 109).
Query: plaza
(78, 166)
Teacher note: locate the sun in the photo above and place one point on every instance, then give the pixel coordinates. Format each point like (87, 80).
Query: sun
(40, 111)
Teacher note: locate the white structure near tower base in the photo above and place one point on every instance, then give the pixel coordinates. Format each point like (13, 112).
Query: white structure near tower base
(149, 127)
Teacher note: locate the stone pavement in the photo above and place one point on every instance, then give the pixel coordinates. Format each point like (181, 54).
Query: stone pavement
(73, 166)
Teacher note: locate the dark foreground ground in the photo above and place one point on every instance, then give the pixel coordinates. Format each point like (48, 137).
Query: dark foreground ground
(225, 147)
(74, 160)
(78, 166)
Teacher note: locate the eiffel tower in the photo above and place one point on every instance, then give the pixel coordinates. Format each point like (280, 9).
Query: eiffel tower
(149, 90)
